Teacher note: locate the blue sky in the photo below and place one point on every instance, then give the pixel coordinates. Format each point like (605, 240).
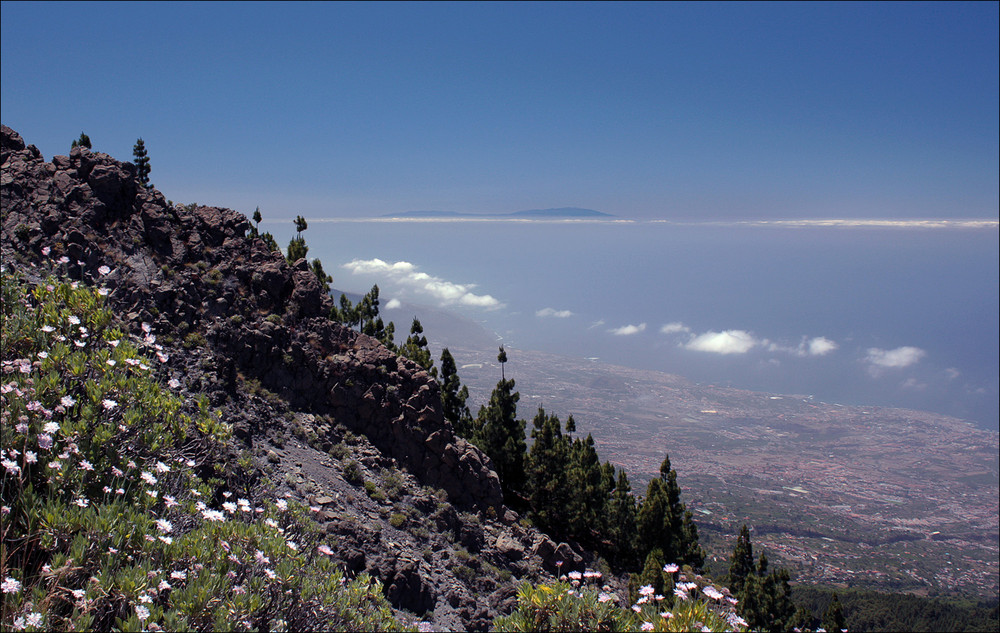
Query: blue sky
(641, 110)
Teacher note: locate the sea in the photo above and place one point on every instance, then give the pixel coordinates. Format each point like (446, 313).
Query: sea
(896, 314)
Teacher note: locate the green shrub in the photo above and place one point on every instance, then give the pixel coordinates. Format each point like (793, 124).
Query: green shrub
(105, 526)
(397, 520)
(352, 473)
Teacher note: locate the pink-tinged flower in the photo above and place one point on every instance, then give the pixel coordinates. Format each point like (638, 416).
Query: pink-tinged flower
(260, 558)
(292, 546)
(130, 464)
(162, 357)
(114, 343)
(164, 586)
(281, 504)
(239, 590)
(10, 585)
(4, 510)
(48, 329)
(104, 270)
(229, 507)
(646, 590)
(671, 568)
(55, 465)
(680, 593)
(666, 615)
(83, 502)
(11, 466)
(111, 362)
(179, 575)
(148, 477)
(213, 515)
(636, 608)
(34, 619)
(642, 600)
(103, 291)
(80, 343)
(46, 250)
(647, 626)
(270, 574)
(575, 575)
(225, 545)
(141, 612)
(120, 491)
(78, 593)
(164, 526)
(43, 355)
(73, 319)
(85, 465)
(269, 522)
(166, 539)
(712, 593)
(21, 428)
(68, 401)
(323, 549)
(173, 383)
(109, 404)
(50, 427)
(45, 441)
(162, 468)
(604, 597)
(169, 501)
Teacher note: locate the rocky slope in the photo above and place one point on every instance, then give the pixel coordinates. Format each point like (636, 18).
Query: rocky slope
(332, 416)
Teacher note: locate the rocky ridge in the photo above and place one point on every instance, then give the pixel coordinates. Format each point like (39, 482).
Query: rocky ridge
(332, 416)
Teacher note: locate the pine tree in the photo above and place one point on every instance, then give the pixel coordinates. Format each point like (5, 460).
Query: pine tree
(547, 486)
(141, 162)
(501, 436)
(586, 511)
(652, 573)
(741, 563)
(454, 396)
(83, 141)
(621, 524)
(257, 217)
(833, 619)
(297, 248)
(324, 279)
(765, 600)
(415, 348)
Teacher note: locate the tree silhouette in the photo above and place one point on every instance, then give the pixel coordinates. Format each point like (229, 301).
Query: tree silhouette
(141, 162)
(83, 141)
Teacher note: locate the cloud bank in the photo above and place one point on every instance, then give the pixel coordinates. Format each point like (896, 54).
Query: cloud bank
(407, 275)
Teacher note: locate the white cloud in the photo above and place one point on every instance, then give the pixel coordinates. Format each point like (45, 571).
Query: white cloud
(952, 373)
(405, 274)
(894, 358)
(820, 346)
(393, 304)
(552, 312)
(727, 342)
(674, 328)
(628, 330)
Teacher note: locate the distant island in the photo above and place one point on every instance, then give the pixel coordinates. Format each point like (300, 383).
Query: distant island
(561, 212)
